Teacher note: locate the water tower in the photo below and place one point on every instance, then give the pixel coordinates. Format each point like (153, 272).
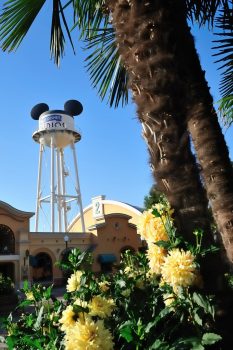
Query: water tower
(56, 132)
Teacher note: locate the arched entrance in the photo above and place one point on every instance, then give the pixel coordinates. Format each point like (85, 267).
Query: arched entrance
(7, 240)
(43, 268)
(8, 270)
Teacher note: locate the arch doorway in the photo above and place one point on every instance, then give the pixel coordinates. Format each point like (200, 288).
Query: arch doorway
(7, 240)
(8, 270)
(43, 268)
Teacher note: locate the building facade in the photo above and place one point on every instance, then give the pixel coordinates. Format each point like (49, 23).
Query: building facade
(111, 229)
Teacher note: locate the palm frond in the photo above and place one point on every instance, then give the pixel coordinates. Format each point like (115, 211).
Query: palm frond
(226, 110)
(205, 11)
(104, 65)
(224, 49)
(17, 17)
(15, 20)
(105, 68)
(90, 16)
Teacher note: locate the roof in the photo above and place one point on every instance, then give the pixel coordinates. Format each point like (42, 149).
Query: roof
(14, 211)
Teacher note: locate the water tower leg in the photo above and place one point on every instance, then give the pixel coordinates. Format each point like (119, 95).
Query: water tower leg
(52, 187)
(63, 189)
(78, 187)
(59, 202)
(39, 187)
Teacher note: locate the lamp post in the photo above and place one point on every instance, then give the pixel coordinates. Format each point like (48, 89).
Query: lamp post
(66, 239)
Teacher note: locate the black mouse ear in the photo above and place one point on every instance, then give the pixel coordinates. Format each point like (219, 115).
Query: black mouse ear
(73, 107)
(38, 109)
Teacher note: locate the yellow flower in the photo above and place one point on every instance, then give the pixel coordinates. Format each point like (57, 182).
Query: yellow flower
(73, 282)
(179, 269)
(144, 223)
(101, 307)
(88, 336)
(128, 270)
(80, 302)
(104, 286)
(29, 295)
(152, 228)
(68, 318)
(156, 256)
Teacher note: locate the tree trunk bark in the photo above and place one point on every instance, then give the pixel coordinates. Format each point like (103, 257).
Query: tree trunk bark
(146, 34)
(208, 140)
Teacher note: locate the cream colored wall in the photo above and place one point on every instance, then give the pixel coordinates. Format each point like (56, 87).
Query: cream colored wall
(112, 240)
(102, 233)
(109, 207)
(20, 227)
(53, 244)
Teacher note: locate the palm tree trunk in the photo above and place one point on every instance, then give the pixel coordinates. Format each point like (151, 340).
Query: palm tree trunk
(208, 140)
(146, 38)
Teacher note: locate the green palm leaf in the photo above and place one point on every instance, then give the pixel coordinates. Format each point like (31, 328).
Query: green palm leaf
(15, 21)
(105, 68)
(225, 51)
(17, 17)
(226, 110)
(204, 11)
(104, 65)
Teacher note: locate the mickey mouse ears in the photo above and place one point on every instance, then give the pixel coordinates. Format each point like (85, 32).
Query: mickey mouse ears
(72, 107)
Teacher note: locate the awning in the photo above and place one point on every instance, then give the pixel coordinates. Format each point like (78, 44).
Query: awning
(107, 258)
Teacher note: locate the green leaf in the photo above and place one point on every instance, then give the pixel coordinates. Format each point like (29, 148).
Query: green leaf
(156, 213)
(163, 244)
(210, 338)
(197, 318)
(78, 308)
(39, 318)
(126, 331)
(10, 341)
(159, 345)
(121, 283)
(199, 300)
(193, 342)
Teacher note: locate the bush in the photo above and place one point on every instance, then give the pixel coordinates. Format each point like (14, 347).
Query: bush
(154, 301)
(6, 285)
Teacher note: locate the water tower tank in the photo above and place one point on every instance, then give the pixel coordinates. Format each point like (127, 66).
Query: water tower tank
(57, 131)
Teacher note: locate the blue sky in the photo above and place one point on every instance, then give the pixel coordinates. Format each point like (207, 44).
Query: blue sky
(112, 155)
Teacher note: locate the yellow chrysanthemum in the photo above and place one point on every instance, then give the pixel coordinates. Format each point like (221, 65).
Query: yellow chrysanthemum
(88, 336)
(152, 228)
(80, 302)
(101, 307)
(104, 286)
(29, 296)
(144, 223)
(179, 269)
(73, 282)
(156, 256)
(68, 318)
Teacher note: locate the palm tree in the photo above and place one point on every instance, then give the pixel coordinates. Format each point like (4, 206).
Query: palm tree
(150, 36)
